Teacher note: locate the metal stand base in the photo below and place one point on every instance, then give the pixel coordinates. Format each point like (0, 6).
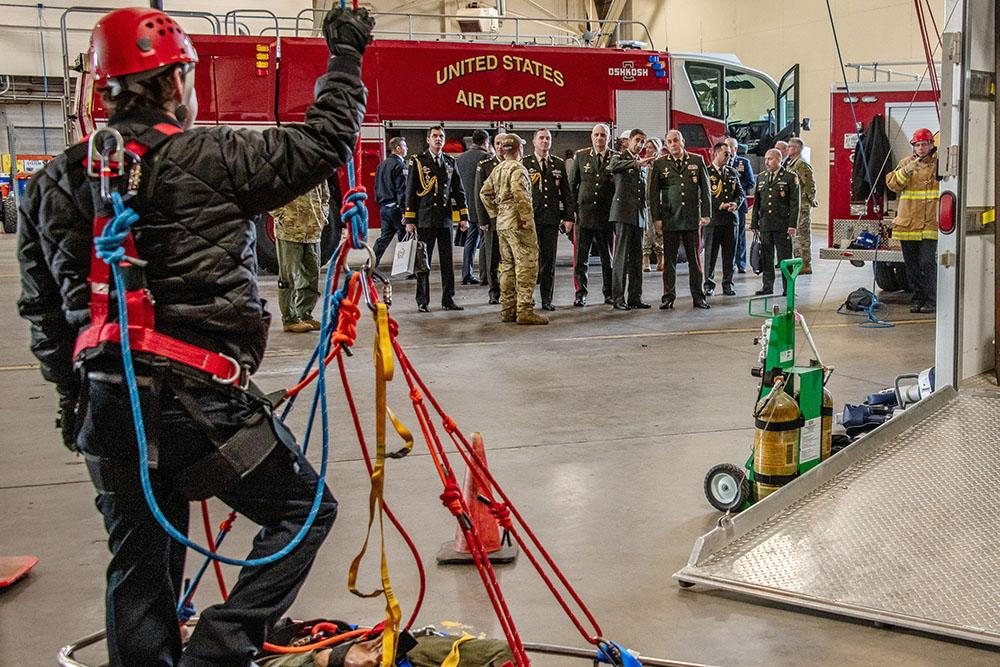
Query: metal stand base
(448, 556)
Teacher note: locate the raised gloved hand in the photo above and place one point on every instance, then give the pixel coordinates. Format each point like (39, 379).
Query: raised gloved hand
(348, 31)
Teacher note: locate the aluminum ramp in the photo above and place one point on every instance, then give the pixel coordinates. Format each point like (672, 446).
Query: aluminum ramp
(900, 528)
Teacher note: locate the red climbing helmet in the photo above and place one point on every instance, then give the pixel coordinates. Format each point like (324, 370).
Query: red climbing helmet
(136, 39)
(923, 134)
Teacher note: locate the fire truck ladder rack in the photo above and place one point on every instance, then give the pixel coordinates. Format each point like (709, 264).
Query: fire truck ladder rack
(897, 529)
(877, 69)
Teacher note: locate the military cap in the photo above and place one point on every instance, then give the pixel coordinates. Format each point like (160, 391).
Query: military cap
(511, 140)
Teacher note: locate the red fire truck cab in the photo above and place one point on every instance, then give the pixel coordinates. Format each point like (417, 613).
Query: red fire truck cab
(262, 81)
(904, 106)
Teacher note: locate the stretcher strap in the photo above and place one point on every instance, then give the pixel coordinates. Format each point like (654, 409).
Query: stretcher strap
(454, 656)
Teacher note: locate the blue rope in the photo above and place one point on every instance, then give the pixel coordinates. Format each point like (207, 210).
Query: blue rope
(185, 607)
(109, 249)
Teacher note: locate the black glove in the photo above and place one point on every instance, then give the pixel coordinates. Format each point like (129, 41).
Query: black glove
(66, 420)
(348, 30)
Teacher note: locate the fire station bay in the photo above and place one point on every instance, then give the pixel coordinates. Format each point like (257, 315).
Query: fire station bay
(492, 334)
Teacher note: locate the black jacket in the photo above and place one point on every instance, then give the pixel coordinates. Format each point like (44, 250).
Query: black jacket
(551, 197)
(872, 161)
(390, 181)
(468, 164)
(725, 188)
(194, 230)
(483, 171)
(433, 191)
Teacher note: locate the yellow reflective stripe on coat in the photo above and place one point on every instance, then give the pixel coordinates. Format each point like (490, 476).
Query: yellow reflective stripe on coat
(384, 369)
(919, 235)
(919, 194)
(454, 656)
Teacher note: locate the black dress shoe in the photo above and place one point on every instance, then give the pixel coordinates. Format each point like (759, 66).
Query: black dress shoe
(729, 291)
(580, 303)
(620, 305)
(915, 308)
(494, 301)
(667, 304)
(741, 270)
(608, 300)
(709, 291)
(451, 305)
(423, 309)
(762, 292)
(639, 305)
(928, 308)
(702, 304)
(548, 306)
(470, 281)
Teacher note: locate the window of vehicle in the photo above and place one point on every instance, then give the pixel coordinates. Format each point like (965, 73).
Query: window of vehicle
(706, 80)
(694, 135)
(749, 98)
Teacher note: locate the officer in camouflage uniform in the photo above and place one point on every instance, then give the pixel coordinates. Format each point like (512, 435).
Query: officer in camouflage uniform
(298, 227)
(802, 241)
(506, 194)
(775, 214)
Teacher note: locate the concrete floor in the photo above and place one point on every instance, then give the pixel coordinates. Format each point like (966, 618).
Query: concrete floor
(601, 426)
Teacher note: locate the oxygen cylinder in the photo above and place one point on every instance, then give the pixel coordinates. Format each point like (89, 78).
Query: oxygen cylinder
(775, 441)
(826, 423)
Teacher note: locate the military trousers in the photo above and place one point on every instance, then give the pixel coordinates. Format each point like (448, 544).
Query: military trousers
(489, 261)
(584, 241)
(518, 269)
(802, 242)
(144, 575)
(298, 280)
(690, 240)
(719, 237)
(548, 245)
(741, 240)
(443, 238)
(626, 278)
(774, 247)
(652, 242)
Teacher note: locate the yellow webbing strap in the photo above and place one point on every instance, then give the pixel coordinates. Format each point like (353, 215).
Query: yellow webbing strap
(454, 656)
(384, 368)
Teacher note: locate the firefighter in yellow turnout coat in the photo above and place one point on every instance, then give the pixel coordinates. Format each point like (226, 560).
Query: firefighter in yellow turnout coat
(915, 226)
(506, 194)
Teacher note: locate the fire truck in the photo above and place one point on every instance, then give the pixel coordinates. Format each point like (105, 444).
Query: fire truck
(905, 102)
(261, 81)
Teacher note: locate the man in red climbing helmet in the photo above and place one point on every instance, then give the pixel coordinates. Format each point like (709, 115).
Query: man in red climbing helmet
(194, 195)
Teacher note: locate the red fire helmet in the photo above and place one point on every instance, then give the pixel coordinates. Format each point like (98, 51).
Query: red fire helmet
(136, 39)
(923, 134)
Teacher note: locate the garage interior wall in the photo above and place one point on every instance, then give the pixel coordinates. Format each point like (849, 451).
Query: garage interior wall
(773, 35)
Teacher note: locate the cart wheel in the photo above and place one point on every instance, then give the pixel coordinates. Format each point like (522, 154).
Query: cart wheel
(727, 487)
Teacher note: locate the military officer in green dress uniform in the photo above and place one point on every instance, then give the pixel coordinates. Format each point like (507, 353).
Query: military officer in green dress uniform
(680, 199)
(774, 215)
(720, 233)
(593, 189)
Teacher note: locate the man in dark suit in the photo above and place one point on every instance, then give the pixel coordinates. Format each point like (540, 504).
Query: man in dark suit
(433, 192)
(552, 201)
(593, 189)
(679, 196)
(742, 165)
(628, 212)
(390, 193)
(775, 215)
(489, 254)
(467, 164)
(720, 232)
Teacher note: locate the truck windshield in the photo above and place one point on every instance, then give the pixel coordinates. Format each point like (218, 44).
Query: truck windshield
(749, 106)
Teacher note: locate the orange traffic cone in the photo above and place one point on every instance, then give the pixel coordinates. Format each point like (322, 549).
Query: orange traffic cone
(485, 524)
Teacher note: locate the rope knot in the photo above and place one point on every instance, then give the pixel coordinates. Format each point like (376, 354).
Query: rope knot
(227, 525)
(501, 513)
(186, 612)
(451, 498)
(449, 425)
(108, 246)
(416, 396)
(354, 214)
(393, 327)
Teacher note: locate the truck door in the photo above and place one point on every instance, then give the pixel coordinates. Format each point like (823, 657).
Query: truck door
(787, 103)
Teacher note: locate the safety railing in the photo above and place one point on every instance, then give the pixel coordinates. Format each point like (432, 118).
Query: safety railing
(884, 69)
